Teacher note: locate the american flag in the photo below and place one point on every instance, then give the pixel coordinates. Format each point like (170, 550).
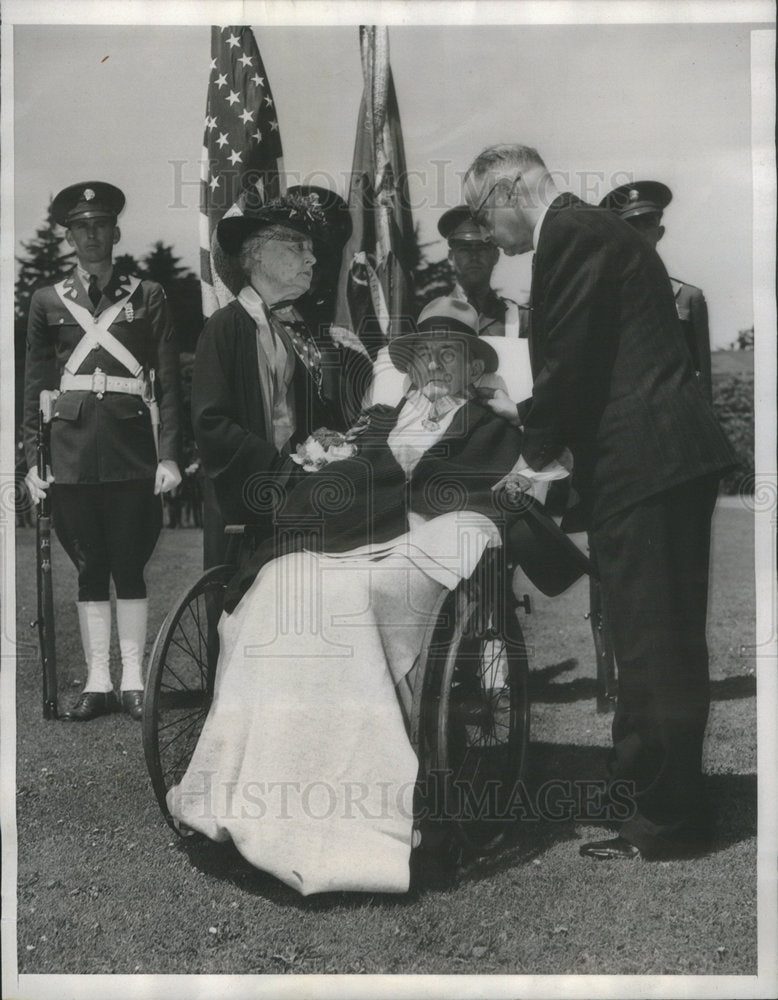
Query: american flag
(241, 150)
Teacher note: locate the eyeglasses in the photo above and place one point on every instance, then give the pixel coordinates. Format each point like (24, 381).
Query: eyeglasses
(478, 212)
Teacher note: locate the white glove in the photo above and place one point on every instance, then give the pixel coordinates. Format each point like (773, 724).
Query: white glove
(168, 476)
(526, 477)
(36, 486)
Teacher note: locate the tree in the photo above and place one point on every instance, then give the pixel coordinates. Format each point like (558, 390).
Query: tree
(43, 263)
(182, 289)
(745, 340)
(127, 262)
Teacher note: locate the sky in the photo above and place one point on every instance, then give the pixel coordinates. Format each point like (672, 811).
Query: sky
(602, 103)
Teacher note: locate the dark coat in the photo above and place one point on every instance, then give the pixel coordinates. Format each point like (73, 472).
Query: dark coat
(367, 498)
(228, 419)
(612, 379)
(110, 439)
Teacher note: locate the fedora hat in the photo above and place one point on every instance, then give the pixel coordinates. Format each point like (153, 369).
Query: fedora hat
(444, 317)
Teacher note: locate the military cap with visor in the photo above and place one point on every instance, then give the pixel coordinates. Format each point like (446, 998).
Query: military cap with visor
(639, 198)
(459, 227)
(87, 200)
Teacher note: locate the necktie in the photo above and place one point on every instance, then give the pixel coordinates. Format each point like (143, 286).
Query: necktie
(93, 291)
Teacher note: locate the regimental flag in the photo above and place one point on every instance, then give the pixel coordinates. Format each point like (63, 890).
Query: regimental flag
(241, 151)
(374, 292)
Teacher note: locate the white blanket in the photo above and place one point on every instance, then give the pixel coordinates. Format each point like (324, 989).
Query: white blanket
(304, 760)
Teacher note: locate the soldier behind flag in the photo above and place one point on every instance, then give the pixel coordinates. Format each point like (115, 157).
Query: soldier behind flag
(641, 205)
(473, 255)
(104, 340)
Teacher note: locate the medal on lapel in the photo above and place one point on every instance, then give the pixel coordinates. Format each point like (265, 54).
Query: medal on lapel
(129, 312)
(432, 421)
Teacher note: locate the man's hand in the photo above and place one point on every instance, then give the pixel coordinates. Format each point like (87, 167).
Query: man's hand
(500, 403)
(167, 478)
(36, 486)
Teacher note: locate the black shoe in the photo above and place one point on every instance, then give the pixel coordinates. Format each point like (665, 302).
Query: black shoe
(609, 850)
(132, 703)
(90, 705)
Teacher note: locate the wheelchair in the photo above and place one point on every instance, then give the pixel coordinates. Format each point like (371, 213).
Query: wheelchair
(467, 708)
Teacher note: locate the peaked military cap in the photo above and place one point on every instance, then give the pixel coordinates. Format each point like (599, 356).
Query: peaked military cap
(640, 198)
(457, 225)
(88, 200)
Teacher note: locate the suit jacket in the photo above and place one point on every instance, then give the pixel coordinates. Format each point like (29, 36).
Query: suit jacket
(693, 313)
(228, 419)
(110, 439)
(612, 379)
(367, 498)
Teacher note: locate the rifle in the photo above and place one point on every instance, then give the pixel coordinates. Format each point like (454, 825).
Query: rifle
(45, 619)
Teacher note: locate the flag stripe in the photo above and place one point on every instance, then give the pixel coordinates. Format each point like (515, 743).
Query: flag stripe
(241, 145)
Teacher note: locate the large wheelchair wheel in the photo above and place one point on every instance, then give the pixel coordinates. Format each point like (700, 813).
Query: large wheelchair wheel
(473, 719)
(179, 684)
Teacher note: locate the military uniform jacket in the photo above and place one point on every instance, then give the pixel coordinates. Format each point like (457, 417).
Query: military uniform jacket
(612, 379)
(693, 314)
(499, 316)
(108, 439)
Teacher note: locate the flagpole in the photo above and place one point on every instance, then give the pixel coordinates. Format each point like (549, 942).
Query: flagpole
(374, 293)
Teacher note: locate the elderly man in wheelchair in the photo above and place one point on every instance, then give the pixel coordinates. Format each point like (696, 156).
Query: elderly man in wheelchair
(372, 642)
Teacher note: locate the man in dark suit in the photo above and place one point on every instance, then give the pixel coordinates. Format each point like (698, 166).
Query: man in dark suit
(103, 339)
(613, 382)
(641, 205)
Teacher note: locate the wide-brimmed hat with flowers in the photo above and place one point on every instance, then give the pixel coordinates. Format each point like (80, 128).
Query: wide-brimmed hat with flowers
(302, 214)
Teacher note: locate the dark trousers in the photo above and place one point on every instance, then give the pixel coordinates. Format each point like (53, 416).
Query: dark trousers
(108, 530)
(653, 562)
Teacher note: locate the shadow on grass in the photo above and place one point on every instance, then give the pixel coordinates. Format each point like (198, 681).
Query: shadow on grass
(545, 690)
(223, 861)
(442, 869)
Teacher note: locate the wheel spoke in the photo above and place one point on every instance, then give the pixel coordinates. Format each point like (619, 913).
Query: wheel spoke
(180, 680)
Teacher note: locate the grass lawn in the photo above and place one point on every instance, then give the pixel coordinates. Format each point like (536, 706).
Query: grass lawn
(105, 887)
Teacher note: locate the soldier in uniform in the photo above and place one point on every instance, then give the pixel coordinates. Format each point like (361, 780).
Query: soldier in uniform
(641, 205)
(104, 340)
(473, 256)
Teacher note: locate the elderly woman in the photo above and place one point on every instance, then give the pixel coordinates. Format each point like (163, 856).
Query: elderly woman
(262, 381)
(304, 761)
